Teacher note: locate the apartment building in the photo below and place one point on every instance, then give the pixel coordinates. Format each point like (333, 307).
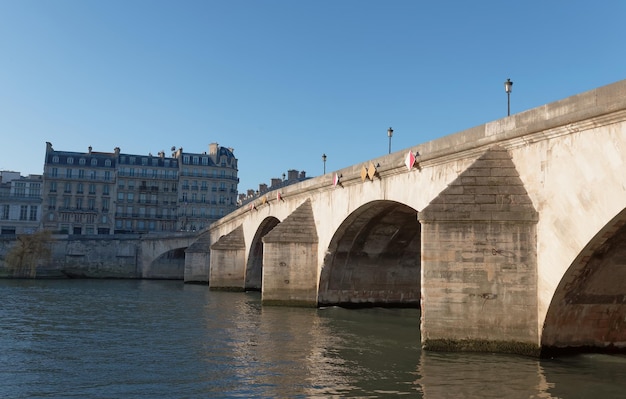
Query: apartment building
(208, 186)
(147, 193)
(118, 193)
(20, 203)
(78, 191)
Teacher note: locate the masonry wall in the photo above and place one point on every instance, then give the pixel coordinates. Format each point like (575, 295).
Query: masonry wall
(290, 274)
(101, 257)
(479, 286)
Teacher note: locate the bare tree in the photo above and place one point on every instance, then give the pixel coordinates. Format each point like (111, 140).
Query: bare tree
(29, 251)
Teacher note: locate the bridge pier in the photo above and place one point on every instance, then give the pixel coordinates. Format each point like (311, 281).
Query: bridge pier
(290, 261)
(227, 263)
(479, 262)
(197, 257)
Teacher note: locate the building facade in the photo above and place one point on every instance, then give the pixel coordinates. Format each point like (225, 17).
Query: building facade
(147, 193)
(20, 203)
(208, 186)
(118, 193)
(78, 191)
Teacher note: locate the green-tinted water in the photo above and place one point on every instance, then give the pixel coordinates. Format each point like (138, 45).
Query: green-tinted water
(164, 339)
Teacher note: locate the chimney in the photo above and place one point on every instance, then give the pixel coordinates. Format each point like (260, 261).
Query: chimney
(292, 175)
(89, 148)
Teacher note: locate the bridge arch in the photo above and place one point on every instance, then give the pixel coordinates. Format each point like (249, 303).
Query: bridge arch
(168, 265)
(374, 258)
(588, 309)
(254, 266)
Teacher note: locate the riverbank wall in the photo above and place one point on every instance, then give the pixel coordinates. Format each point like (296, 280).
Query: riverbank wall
(97, 257)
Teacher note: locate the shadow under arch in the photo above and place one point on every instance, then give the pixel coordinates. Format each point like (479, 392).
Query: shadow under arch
(588, 310)
(254, 266)
(374, 259)
(168, 265)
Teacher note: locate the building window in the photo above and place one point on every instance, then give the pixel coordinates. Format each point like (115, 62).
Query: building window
(68, 187)
(105, 205)
(68, 173)
(55, 172)
(195, 160)
(144, 161)
(5, 212)
(70, 160)
(105, 189)
(33, 212)
(79, 188)
(92, 174)
(81, 161)
(92, 188)
(107, 175)
(55, 159)
(186, 159)
(81, 173)
(205, 161)
(53, 187)
(132, 160)
(107, 162)
(94, 162)
(23, 212)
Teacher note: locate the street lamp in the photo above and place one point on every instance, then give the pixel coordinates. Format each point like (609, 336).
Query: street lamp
(508, 87)
(390, 134)
(324, 160)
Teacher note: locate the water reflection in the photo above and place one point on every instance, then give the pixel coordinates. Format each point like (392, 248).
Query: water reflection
(103, 339)
(474, 375)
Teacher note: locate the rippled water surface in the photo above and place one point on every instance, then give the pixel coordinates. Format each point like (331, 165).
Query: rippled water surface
(165, 339)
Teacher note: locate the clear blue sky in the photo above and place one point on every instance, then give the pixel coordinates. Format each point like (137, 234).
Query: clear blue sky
(284, 81)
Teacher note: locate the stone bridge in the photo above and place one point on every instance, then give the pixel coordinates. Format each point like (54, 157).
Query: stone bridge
(511, 236)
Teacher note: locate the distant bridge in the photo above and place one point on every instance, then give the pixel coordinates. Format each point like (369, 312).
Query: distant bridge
(510, 236)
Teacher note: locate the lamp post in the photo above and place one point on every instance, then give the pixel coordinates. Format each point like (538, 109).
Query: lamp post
(508, 87)
(390, 135)
(324, 160)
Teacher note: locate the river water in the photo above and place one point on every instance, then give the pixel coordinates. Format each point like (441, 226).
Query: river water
(165, 339)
